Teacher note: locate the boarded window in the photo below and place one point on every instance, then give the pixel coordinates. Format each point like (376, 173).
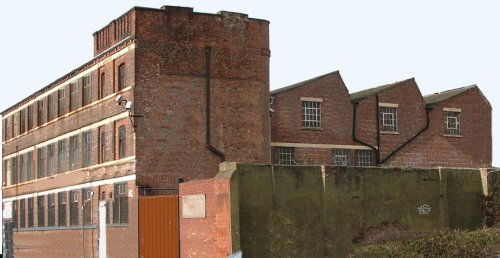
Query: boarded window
(61, 156)
(61, 102)
(102, 146)
(22, 116)
(22, 213)
(29, 166)
(122, 141)
(102, 81)
(87, 206)
(41, 162)
(31, 211)
(121, 77)
(73, 93)
(30, 118)
(51, 159)
(73, 157)
(87, 90)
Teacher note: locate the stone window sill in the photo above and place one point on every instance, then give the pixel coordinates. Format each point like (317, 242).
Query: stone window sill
(453, 135)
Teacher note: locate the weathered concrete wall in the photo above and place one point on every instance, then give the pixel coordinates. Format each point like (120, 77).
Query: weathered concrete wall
(307, 212)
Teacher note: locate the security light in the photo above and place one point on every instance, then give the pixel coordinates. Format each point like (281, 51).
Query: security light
(128, 105)
(119, 99)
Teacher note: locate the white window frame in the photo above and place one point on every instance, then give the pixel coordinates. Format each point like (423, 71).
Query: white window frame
(285, 155)
(389, 117)
(341, 157)
(452, 128)
(311, 112)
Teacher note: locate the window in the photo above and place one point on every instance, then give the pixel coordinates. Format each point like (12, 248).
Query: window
(73, 94)
(8, 172)
(15, 217)
(22, 213)
(61, 156)
(41, 211)
(365, 158)
(22, 168)
(311, 114)
(29, 167)
(15, 173)
(102, 146)
(73, 159)
(388, 119)
(51, 156)
(51, 211)
(102, 80)
(87, 206)
(341, 157)
(22, 121)
(452, 121)
(87, 90)
(86, 149)
(121, 142)
(61, 210)
(8, 128)
(120, 204)
(16, 125)
(40, 117)
(61, 102)
(51, 108)
(41, 163)
(31, 210)
(73, 208)
(285, 155)
(30, 118)
(121, 77)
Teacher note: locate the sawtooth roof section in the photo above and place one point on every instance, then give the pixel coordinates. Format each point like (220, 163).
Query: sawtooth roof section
(437, 97)
(357, 96)
(293, 86)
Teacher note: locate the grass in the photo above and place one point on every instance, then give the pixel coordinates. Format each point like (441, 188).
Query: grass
(479, 243)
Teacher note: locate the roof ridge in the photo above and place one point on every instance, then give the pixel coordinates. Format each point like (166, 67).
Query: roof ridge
(362, 94)
(296, 85)
(450, 90)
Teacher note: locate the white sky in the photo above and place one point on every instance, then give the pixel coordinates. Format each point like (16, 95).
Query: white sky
(443, 44)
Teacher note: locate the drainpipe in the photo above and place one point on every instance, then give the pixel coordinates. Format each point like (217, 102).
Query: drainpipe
(214, 150)
(378, 129)
(427, 110)
(355, 105)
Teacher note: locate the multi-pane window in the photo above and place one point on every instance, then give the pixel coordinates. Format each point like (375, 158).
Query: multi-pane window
(285, 155)
(311, 114)
(102, 146)
(40, 117)
(73, 208)
(365, 158)
(61, 101)
(121, 77)
(22, 115)
(22, 168)
(101, 86)
(87, 90)
(15, 217)
(8, 128)
(8, 172)
(51, 210)
(61, 209)
(29, 167)
(41, 211)
(341, 157)
(388, 117)
(22, 213)
(51, 108)
(452, 121)
(15, 174)
(31, 211)
(86, 149)
(122, 139)
(41, 163)
(61, 156)
(51, 157)
(73, 157)
(16, 125)
(73, 94)
(30, 117)
(87, 206)
(120, 204)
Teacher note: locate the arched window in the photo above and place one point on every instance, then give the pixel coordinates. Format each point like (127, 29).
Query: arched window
(121, 141)
(121, 76)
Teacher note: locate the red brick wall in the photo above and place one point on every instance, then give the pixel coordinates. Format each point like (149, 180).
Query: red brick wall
(170, 93)
(433, 149)
(336, 113)
(411, 116)
(209, 236)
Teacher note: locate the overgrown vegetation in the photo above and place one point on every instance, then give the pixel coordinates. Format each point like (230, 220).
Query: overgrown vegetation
(480, 243)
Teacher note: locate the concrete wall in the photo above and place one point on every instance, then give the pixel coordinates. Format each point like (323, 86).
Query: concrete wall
(279, 211)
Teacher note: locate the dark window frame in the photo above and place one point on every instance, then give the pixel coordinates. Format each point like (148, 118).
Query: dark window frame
(86, 149)
(122, 142)
(51, 210)
(41, 211)
(87, 90)
(120, 204)
(62, 200)
(121, 76)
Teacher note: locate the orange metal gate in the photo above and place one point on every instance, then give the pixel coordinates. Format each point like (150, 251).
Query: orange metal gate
(159, 227)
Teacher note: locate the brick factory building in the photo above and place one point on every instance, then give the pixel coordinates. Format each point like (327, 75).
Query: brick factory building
(168, 96)
(193, 91)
